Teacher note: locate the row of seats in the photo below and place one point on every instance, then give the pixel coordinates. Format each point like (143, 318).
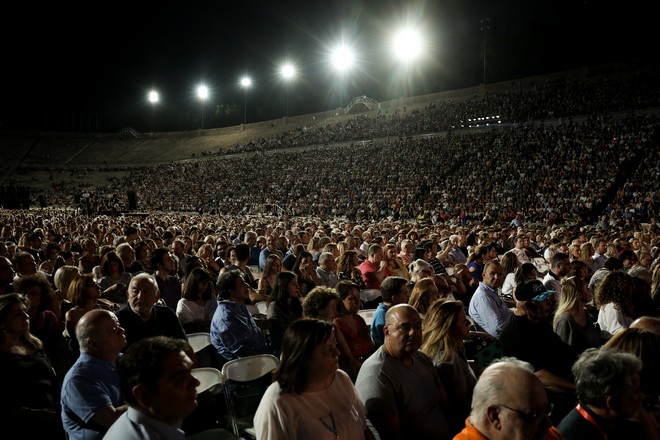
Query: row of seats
(242, 381)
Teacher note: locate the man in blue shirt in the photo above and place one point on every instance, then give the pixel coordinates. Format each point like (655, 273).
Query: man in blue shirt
(487, 309)
(394, 290)
(91, 397)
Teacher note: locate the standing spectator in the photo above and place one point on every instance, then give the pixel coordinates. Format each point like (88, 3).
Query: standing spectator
(91, 398)
(157, 383)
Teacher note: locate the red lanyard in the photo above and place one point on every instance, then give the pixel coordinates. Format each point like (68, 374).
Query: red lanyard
(590, 419)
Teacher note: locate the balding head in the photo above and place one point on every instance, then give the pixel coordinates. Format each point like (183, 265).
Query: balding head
(99, 334)
(509, 401)
(403, 332)
(650, 323)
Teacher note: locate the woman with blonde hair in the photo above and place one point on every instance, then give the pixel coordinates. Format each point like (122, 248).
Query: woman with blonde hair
(586, 255)
(423, 295)
(395, 264)
(572, 322)
(272, 269)
(443, 331)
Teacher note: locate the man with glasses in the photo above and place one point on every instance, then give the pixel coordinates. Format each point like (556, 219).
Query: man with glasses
(509, 403)
(398, 384)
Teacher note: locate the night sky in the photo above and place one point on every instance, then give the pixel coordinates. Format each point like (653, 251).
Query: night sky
(89, 67)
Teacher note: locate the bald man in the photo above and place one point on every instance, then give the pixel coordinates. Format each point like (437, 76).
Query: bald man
(91, 397)
(509, 403)
(398, 384)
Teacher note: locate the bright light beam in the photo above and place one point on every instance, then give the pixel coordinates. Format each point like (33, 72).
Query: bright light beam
(342, 58)
(407, 45)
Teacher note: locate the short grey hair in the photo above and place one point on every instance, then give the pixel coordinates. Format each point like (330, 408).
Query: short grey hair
(604, 372)
(325, 256)
(491, 387)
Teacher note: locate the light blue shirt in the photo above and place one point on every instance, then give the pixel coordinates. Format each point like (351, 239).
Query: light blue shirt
(136, 425)
(377, 324)
(488, 310)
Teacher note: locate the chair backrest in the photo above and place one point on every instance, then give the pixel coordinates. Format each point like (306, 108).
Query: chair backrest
(367, 295)
(263, 307)
(199, 340)
(367, 315)
(250, 367)
(246, 381)
(252, 309)
(207, 377)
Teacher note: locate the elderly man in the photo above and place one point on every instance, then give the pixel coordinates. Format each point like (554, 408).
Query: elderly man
(398, 384)
(509, 403)
(91, 399)
(141, 317)
(327, 270)
(610, 405)
(486, 308)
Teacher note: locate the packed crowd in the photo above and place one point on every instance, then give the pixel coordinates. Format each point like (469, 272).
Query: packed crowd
(454, 303)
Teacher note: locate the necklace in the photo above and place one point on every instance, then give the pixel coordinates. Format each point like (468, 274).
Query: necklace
(332, 429)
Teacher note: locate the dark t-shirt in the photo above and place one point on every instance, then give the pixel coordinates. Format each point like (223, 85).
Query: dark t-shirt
(539, 345)
(163, 322)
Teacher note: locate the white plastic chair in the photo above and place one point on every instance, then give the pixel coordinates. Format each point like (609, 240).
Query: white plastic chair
(246, 381)
(208, 377)
(367, 295)
(263, 307)
(199, 341)
(367, 315)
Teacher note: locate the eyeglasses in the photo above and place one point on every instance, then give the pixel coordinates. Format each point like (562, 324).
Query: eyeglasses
(406, 327)
(531, 417)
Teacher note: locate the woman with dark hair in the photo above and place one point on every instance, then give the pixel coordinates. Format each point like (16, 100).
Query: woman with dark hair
(526, 272)
(30, 401)
(306, 273)
(114, 278)
(310, 397)
(510, 264)
(142, 251)
(284, 307)
(347, 268)
(353, 327)
(196, 306)
(614, 299)
(475, 262)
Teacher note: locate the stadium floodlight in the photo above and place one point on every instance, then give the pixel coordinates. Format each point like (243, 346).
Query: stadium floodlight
(288, 72)
(407, 45)
(203, 95)
(342, 59)
(153, 99)
(246, 83)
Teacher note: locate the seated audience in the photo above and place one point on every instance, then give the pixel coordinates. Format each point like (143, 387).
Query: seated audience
(198, 301)
(234, 332)
(91, 397)
(159, 388)
(310, 397)
(509, 402)
(398, 384)
(572, 321)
